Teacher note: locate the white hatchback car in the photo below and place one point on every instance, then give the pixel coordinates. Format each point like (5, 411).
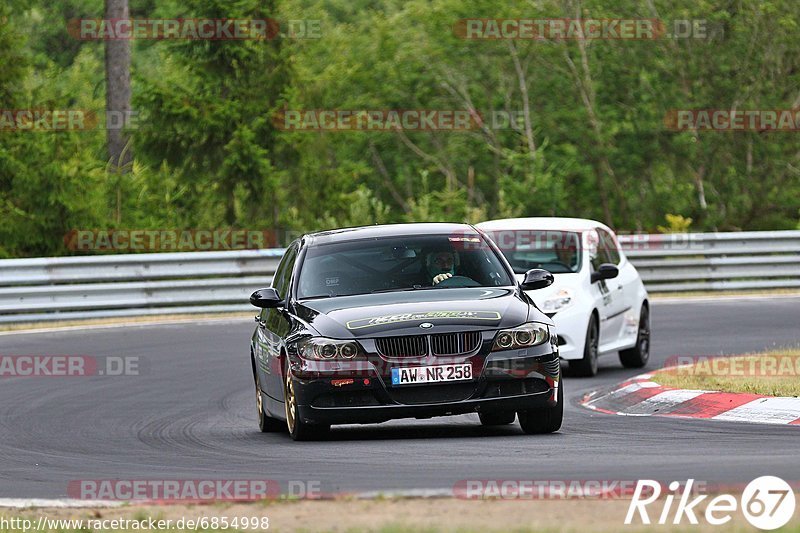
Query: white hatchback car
(598, 301)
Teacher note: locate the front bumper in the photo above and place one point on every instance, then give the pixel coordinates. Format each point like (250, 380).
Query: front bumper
(571, 324)
(359, 393)
(382, 413)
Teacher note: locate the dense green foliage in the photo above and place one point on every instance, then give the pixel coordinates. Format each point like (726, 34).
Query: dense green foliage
(208, 154)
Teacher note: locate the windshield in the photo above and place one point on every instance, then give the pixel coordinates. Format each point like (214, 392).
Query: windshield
(413, 262)
(556, 251)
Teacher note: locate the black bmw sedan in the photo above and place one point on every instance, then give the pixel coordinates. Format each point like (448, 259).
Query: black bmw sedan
(364, 325)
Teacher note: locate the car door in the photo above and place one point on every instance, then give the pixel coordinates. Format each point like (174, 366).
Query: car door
(629, 285)
(599, 290)
(612, 328)
(273, 327)
(609, 306)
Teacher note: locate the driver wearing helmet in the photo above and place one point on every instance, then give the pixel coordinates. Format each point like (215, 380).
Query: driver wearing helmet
(441, 264)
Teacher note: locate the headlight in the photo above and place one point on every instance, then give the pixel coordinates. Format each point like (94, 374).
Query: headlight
(558, 301)
(521, 337)
(323, 349)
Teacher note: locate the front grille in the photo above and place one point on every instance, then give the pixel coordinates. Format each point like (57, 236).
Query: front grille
(442, 344)
(408, 346)
(455, 343)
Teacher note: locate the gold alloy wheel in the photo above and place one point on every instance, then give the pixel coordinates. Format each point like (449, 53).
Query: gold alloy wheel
(290, 403)
(259, 400)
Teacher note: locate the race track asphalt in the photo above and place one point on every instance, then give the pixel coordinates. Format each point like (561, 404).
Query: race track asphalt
(191, 415)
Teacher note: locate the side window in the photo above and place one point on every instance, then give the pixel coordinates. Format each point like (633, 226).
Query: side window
(608, 248)
(283, 274)
(595, 249)
(280, 282)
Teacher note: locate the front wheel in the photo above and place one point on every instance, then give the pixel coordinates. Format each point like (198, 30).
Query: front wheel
(544, 420)
(587, 367)
(298, 429)
(638, 356)
(266, 423)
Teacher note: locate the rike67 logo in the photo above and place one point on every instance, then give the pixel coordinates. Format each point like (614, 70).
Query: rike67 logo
(767, 502)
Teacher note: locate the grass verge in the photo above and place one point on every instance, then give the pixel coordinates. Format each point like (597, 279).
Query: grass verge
(392, 515)
(773, 373)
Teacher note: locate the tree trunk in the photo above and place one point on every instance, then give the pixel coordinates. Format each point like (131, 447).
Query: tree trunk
(118, 91)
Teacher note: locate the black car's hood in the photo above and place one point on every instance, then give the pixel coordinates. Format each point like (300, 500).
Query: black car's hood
(401, 313)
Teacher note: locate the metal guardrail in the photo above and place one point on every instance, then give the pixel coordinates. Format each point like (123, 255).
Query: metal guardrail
(716, 261)
(75, 288)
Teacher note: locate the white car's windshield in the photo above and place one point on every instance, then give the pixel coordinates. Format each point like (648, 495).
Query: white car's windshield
(556, 251)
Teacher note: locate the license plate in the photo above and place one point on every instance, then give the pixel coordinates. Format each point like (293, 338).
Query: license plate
(431, 374)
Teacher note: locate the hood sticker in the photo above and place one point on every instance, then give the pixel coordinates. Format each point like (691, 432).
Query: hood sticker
(427, 315)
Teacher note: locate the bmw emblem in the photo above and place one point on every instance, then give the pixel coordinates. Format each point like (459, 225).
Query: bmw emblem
(426, 325)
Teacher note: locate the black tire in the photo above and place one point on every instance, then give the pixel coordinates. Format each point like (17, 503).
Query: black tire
(546, 420)
(587, 367)
(266, 423)
(299, 429)
(500, 418)
(638, 356)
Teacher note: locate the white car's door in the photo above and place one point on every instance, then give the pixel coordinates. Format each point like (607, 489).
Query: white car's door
(625, 289)
(608, 300)
(606, 306)
(629, 286)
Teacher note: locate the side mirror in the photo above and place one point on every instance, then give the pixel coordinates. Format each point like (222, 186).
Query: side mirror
(537, 278)
(266, 298)
(606, 271)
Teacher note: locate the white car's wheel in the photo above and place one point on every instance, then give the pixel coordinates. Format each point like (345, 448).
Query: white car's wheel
(638, 356)
(587, 366)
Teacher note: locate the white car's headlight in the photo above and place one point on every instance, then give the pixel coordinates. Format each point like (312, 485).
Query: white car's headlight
(558, 301)
(521, 337)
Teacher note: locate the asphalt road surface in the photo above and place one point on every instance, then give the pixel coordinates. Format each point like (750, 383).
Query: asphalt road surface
(191, 415)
